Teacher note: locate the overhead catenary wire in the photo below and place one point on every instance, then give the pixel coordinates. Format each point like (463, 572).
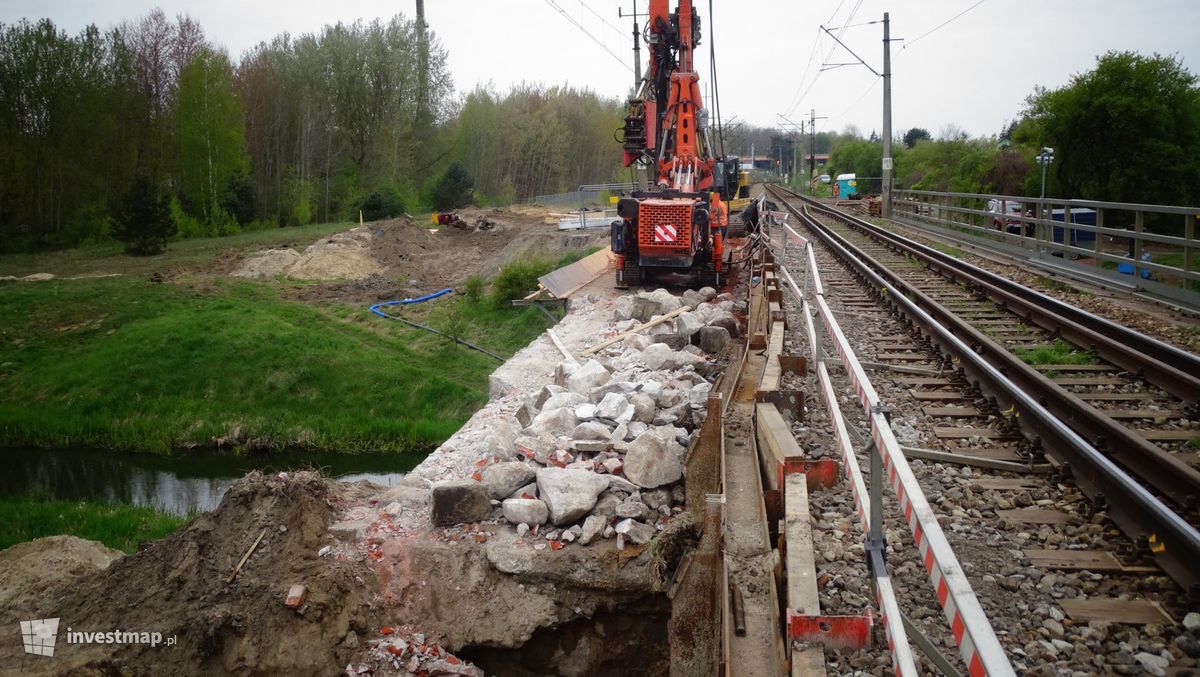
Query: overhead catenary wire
(712, 58)
(938, 27)
(554, 5)
(618, 31)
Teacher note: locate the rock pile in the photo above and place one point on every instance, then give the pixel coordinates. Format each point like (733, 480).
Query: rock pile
(600, 452)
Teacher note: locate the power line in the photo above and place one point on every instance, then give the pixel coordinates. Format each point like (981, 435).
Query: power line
(854, 105)
(560, 10)
(796, 101)
(606, 23)
(910, 43)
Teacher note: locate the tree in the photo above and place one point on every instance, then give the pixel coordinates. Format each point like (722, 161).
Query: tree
(212, 139)
(144, 222)
(912, 136)
(1127, 131)
(453, 190)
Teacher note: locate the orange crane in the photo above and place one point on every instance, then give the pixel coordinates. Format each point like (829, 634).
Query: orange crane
(673, 227)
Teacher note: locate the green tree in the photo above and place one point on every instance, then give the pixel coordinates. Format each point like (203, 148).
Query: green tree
(144, 223)
(453, 190)
(1127, 131)
(912, 136)
(212, 139)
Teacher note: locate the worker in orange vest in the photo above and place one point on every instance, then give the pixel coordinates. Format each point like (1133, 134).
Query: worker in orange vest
(721, 214)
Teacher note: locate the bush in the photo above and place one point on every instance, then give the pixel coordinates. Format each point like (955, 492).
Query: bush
(473, 289)
(517, 279)
(144, 223)
(453, 190)
(238, 198)
(383, 203)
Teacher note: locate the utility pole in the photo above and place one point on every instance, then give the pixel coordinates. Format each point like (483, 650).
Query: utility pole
(887, 117)
(637, 46)
(812, 147)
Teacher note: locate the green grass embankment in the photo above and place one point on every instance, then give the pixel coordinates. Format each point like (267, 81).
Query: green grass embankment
(115, 525)
(123, 362)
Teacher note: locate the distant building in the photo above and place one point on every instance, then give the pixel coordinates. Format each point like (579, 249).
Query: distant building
(822, 159)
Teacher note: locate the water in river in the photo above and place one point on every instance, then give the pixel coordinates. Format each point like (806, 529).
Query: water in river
(177, 483)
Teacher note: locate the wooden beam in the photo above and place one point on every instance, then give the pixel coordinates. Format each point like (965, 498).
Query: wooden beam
(802, 592)
(561, 348)
(636, 330)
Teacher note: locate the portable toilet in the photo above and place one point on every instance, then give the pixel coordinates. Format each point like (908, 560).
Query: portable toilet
(846, 186)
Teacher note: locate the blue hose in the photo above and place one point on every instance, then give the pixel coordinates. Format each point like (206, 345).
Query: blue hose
(376, 308)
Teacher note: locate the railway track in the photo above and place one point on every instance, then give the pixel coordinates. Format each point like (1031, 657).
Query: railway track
(1116, 411)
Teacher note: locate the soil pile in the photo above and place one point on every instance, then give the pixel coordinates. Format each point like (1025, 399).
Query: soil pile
(411, 258)
(177, 586)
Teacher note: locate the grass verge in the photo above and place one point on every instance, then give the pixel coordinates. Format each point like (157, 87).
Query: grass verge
(1059, 352)
(116, 525)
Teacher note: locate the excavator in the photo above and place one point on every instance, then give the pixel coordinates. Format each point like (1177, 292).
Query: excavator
(673, 226)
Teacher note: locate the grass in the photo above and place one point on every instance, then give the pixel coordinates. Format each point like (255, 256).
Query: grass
(1059, 352)
(948, 250)
(115, 525)
(1052, 284)
(122, 362)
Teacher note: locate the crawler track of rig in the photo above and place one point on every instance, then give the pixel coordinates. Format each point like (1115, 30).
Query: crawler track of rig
(1116, 422)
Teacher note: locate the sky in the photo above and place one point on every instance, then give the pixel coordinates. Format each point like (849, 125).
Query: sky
(972, 73)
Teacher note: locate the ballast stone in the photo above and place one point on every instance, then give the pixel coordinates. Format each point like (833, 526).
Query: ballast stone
(569, 493)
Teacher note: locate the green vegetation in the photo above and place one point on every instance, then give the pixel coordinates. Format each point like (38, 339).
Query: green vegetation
(948, 250)
(1059, 352)
(124, 362)
(517, 279)
(116, 525)
(1053, 284)
(301, 128)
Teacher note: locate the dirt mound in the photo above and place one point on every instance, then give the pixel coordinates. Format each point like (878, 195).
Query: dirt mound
(28, 569)
(418, 260)
(177, 586)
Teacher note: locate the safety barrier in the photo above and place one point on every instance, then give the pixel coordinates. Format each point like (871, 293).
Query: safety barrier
(980, 649)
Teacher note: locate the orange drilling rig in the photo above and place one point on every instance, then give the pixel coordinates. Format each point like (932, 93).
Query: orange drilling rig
(675, 226)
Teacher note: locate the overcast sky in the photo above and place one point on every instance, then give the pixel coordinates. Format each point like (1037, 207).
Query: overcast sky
(973, 72)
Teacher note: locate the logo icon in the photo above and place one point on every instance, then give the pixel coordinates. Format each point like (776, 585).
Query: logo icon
(39, 636)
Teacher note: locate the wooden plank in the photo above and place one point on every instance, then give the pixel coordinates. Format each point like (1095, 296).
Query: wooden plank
(1129, 611)
(808, 661)
(1089, 381)
(773, 373)
(775, 440)
(1096, 561)
(1154, 414)
(906, 357)
(1114, 397)
(954, 433)
(1005, 483)
(1034, 516)
(923, 381)
(636, 330)
(1169, 435)
(1076, 367)
(561, 348)
(802, 592)
(951, 412)
(233, 574)
(930, 395)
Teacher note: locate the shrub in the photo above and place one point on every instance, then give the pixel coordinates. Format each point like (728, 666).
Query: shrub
(473, 288)
(384, 203)
(517, 279)
(144, 223)
(453, 190)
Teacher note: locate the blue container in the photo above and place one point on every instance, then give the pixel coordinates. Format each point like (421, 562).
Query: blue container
(1079, 238)
(847, 185)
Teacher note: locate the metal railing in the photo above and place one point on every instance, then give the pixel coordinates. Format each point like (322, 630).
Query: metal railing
(587, 195)
(1147, 247)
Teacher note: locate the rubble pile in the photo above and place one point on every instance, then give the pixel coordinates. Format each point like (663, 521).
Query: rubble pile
(599, 453)
(411, 651)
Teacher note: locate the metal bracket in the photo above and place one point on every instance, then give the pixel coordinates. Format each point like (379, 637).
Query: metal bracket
(790, 402)
(834, 632)
(821, 473)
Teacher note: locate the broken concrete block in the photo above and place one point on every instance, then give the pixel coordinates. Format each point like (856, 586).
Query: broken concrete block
(585, 411)
(537, 446)
(568, 400)
(611, 406)
(568, 493)
(525, 414)
(588, 376)
(638, 341)
(644, 309)
(656, 498)
(728, 321)
(623, 308)
(350, 530)
(688, 324)
(643, 407)
(632, 509)
(613, 465)
(546, 393)
(635, 531)
(591, 446)
(593, 527)
(502, 479)
(681, 359)
(714, 339)
(654, 356)
(672, 341)
(649, 463)
(296, 596)
(606, 505)
(591, 430)
(525, 511)
(527, 491)
(691, 298)
(560, 421)
(708, 293)
(699, 394)
(651, 388)
(459, 502)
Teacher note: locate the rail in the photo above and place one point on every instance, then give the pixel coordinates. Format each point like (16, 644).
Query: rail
(1147, 247)
(1173, 543)
(978, 645)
